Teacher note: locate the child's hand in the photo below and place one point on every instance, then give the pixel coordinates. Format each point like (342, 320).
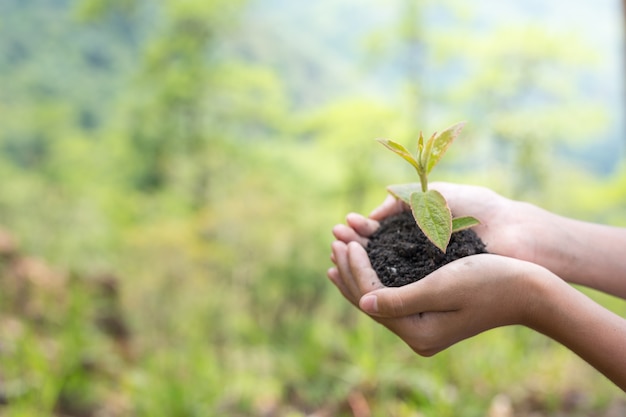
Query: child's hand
(460, 300)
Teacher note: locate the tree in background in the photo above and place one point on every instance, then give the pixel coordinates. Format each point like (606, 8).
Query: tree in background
(519, 86)
(202, 149)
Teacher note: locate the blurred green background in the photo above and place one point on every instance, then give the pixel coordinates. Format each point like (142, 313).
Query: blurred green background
(170, 172)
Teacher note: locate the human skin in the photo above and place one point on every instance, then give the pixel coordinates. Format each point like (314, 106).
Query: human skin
(579, 252)
(518, 283)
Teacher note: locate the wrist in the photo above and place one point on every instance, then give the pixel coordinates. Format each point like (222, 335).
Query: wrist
(541, 237)
(543, 291)
(569, 317)
(554, 307)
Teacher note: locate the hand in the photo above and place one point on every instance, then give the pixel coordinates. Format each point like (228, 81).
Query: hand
(505, 224)
(460, 300)
(480, 292)
(578, 252)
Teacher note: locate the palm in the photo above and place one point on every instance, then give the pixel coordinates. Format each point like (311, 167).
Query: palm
(503, 225)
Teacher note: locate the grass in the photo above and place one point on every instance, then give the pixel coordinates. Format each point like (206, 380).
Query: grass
(208, 351)
(228, 312)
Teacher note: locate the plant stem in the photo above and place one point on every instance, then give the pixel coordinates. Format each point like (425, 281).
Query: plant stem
(423, 181)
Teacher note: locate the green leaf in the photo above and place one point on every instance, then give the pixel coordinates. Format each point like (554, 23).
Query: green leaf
(433, 216)
(462, 223)
(420, 147)
(438, 145)
(404, 191)
(425, 156)
(400, 150)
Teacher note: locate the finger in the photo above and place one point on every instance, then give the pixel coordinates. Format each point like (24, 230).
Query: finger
(425, 295)
(335, 278)
(468, 200)
(389, 207)
(364, 275)
(362, 225)
(340, 251)
(347, 234)
(444, 187)
(451, 193)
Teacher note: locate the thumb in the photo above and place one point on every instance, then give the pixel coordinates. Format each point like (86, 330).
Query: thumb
(426, 295)
(387, 302)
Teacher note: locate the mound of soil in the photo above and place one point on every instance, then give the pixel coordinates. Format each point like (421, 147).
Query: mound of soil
(400, 253)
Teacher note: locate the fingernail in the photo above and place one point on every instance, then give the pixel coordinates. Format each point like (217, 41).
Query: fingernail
(369, 303)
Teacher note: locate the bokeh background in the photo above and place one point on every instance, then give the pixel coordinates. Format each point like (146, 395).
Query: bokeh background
(170, 172)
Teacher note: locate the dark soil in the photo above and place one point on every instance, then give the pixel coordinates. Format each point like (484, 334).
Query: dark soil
(401, 254)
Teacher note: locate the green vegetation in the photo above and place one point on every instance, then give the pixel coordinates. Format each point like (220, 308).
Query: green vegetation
(169, 175)
(429, 207)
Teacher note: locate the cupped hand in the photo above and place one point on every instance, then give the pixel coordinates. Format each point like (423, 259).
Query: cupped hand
(459, 300)
(516, 283)
(504, 224)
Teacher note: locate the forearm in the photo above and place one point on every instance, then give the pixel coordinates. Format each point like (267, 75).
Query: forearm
(592, 332)
(583, 253)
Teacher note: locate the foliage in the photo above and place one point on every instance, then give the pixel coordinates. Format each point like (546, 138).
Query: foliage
(429, 207)
(170, 173)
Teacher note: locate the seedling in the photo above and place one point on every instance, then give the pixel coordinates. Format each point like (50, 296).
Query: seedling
(429, 207)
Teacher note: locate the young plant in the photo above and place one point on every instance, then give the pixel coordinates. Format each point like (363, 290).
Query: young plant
(429, 207)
